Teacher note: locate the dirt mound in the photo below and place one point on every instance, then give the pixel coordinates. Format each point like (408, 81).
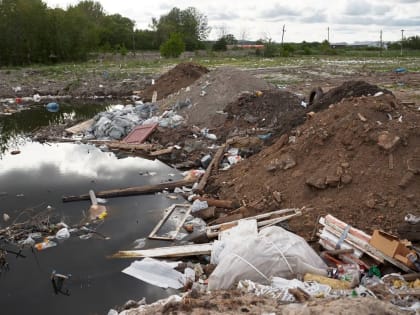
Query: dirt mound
(211, 93)
(320, 101)
(175, 79)
(272, 110)
(358, 160)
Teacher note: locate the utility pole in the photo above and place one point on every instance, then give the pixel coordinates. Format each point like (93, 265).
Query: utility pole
(402, 39)
(328, 34)
(282, 34)
(380, 43)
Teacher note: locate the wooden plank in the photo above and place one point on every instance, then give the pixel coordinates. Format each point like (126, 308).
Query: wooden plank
(168, 252)
(214, 163)
(162, 152)
(214, 230)
(131, 147)
(205, 214)
(131, 191)
(81, 127)
(140, 133)
(171, 209)
(218, 203)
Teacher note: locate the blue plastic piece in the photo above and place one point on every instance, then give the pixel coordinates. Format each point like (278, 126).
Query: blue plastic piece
(53, 107)
(400, 70)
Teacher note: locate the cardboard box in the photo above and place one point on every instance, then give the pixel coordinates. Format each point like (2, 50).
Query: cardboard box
(391, 246)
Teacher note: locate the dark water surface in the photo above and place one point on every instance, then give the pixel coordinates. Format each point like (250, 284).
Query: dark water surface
(38, 178)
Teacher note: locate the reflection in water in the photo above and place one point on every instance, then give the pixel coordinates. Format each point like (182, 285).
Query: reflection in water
(38, 178)
(11, 127)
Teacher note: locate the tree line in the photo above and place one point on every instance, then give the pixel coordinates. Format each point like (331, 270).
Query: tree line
(31, 32)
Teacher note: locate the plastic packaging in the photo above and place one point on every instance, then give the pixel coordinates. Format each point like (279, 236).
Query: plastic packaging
(62, 234)
(45, 244)
(273, 252)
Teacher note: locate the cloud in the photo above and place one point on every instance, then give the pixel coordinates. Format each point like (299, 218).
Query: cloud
(318, 17)
(279, 11)
(358, 7)
(222, 16)
(372, 20)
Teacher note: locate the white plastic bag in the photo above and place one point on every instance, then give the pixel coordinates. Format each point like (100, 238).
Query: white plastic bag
(273, 252)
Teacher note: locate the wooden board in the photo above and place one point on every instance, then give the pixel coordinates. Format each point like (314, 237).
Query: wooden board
(171, 251)
(82, 127)
(139, 133)
(153, 235)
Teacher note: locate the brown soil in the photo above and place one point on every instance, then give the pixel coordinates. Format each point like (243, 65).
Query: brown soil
(234, 302)
(175, 79)
(272, 111)
(336, 166)
(219, 88)
(347, 89)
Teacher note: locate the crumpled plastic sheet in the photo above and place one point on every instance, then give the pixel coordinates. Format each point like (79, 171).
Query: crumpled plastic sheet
(119, 122)
(144, 308)
(279, 288)
(244, 255)
(156, 272)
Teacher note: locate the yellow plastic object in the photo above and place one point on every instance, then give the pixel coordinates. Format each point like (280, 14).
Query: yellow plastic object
(102, 215)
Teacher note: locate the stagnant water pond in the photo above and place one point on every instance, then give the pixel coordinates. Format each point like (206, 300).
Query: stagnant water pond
(36, 179)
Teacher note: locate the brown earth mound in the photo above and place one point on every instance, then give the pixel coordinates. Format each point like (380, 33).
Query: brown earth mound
(320, 101)
(358, 160)
(175, 79)
(211, 93)
(274, 110)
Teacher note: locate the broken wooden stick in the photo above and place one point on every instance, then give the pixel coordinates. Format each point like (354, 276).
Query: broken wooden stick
(214, 163)
(138, 190)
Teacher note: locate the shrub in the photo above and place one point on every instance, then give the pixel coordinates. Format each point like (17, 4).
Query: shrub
(173, 47)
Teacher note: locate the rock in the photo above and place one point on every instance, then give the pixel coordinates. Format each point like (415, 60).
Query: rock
(189, 228)
(332, 180)
(345, 165)
(277, 196)
(370, 202)
(407, 178)
(271, 168)
(316, 182)
(346, 179)
(287, 161)
(387, 140)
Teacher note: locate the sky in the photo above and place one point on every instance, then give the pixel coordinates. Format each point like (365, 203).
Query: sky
(304, 20)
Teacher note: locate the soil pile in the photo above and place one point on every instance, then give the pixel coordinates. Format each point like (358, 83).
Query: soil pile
(211, 94)
(175, 79)
(347, 89)
(271, 110)
(358, 160)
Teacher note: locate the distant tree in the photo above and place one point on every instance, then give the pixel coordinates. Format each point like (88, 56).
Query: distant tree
(270, 48)
(116, 31)
(190, 24)
(173, 47)
(222, 42)
(412, 42)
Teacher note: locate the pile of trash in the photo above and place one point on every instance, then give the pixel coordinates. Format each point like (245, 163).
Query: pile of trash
(272, 263)
(117, 123)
